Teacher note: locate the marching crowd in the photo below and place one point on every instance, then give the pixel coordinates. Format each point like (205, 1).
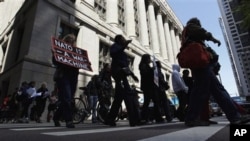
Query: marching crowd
(193, 92)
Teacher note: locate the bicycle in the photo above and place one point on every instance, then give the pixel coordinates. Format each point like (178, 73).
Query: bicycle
(103, 108)
(81, 109)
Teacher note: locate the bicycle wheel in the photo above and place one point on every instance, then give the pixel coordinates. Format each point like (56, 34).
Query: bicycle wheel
(102, 112)
(79, 110)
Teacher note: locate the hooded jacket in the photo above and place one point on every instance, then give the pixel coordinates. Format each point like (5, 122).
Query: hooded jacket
(177, 81)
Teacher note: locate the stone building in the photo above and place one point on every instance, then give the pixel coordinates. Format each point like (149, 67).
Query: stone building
(28, 25)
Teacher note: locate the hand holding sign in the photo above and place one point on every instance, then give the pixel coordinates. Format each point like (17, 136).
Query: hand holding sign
(70, 55)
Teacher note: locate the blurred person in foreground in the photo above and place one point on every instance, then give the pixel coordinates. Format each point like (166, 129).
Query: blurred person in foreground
(206, 82)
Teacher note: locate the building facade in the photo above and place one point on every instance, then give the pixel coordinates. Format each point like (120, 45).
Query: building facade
(28, 25)
(238, 44)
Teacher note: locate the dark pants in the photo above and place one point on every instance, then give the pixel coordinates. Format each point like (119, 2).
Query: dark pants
(40, 107)
(151, 94)
(206, 83)
(122, 92)
(182, 97)
(66, 90)
(165, 105)
(26, 105)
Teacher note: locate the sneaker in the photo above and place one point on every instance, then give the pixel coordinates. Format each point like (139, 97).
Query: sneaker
(212, 122)
(241, 121)
(169, 120)
(38, 121)
(197, 123)
(70, 124)
(57, 123)
(112, 124)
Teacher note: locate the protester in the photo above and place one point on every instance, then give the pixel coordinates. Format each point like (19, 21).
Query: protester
(181, 90)
(66, 78)
(93, 87)
(41, 101)
(28, 91)
(53, 103)
(106, 90)
(206, 82)
(148, 88)
(106, 82)
(120, 71)
(163, 86)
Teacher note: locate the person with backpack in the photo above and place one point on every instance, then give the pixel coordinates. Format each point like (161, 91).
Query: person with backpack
(206, 82)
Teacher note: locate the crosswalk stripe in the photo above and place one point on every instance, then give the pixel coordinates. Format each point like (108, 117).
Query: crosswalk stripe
(37, 128)
(66, 133)
(190, 134)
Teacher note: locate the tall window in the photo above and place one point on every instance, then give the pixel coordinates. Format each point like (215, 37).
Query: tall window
(100, 8)
(131, 66)
(66, 29)
(104, 56)
(121, 17)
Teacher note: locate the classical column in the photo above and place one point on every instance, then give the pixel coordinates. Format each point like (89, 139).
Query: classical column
(153, 29)
(162, 41)
(178, 40)
(168, 41)
(143, 23)
(112, 12)
(173, 41)
(130, 18)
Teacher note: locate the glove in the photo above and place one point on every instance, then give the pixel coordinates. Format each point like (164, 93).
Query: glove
(217, 42)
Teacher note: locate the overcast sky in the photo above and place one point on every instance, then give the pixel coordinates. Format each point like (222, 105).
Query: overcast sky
(208, 12)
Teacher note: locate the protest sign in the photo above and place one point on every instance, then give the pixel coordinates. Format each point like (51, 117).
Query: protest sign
(70, 55)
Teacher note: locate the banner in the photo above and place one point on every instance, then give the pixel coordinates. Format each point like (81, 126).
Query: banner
(70, 55)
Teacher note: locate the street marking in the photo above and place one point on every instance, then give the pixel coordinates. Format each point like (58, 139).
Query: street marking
(190, 134)
(37, 128)
(66, 133)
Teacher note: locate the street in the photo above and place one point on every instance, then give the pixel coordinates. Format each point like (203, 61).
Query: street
(87, 131)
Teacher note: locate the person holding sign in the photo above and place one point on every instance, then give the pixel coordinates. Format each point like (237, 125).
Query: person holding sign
(66, 77)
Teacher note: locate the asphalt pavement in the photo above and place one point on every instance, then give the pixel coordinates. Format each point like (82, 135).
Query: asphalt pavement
(174, 131)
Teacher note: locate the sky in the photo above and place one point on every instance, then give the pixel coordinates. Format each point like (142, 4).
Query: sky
(208, 12)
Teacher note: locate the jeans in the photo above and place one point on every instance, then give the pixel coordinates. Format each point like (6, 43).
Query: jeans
(92, 103)
(206, 83)
(66, 90)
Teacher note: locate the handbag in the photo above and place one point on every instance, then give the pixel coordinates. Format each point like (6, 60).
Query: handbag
(193, 55)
